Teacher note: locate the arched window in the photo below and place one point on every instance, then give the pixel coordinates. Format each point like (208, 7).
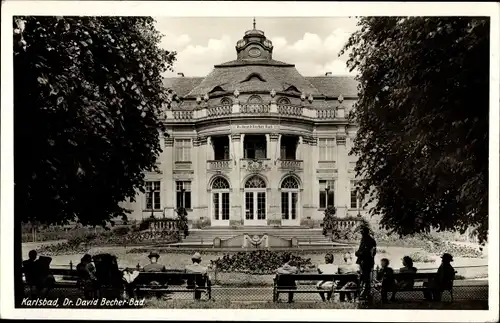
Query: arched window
(289, 199)
(254, 99)
(226, 101)
(220, 199)
(255, 201)
(283, 101)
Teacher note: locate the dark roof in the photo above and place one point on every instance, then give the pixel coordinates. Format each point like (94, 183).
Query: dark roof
(333, 86)
(238, 62)
(182, 85)
(330, 86)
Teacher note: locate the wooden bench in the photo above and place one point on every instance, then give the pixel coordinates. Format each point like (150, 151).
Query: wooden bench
(173, 281)
(422, 282)
(283, 283)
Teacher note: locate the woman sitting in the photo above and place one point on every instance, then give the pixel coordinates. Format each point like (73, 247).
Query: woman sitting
(327, 268)
(407, 282)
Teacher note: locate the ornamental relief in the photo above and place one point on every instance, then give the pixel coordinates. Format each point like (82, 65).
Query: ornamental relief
(256, 166)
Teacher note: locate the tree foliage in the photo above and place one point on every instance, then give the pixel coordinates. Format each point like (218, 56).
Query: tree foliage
(88, 114)
(423, 120)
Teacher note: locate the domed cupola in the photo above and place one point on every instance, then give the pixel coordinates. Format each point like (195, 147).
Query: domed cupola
(254, 46)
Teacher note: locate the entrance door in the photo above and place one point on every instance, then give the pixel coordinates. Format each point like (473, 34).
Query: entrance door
(220, 202)
(255, 204)
(290, 202)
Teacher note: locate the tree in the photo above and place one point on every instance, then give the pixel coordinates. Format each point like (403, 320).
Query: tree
(423, 113)
(88, 111)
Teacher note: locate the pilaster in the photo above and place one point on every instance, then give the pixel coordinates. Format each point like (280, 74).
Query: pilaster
(235, 217)
(342, 184)
(168, 185)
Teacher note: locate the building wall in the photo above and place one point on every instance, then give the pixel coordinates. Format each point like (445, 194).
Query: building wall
(341, 170)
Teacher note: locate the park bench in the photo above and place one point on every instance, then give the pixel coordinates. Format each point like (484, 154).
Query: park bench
(421, 282)
(172, 281)
(283, 283)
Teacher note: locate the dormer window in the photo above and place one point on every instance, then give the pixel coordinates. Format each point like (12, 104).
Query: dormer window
(217, 89)
(291, 88)
(252, 76)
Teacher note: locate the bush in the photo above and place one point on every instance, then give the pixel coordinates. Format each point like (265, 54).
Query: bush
(421, 257)
(257, 262)
(121, 231)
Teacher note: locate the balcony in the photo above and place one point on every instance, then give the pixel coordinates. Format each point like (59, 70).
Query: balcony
(221, 165)
(325, 114)
(183, 115)
(289, 164)
(254, 108)
(219, 111)
(256, 165)
(290, 110)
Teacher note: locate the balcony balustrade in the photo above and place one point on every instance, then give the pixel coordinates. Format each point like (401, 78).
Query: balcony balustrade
(289, 164)
(219, 111)
(183, 115)
(222, 165)
(290, 110)
(325, 114)
(254, 108)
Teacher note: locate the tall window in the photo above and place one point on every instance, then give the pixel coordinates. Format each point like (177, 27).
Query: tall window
(221, 148)
(255, 199)
(326, 149)
(220, 199)
(288, 147)
(326, 193)
(183, 189)
(255, 146)
(356, 201)
(153, 195)
(289, 198)
(182, 150)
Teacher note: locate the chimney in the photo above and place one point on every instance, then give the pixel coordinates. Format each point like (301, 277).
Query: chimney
(328, 73)
(180, 74)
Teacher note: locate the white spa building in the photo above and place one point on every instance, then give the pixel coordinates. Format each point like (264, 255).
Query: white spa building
(255, 143)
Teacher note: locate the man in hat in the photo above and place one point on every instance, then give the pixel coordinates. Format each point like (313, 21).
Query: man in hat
(445, 276)
(366, 260)
(196, 267)
(154, 266)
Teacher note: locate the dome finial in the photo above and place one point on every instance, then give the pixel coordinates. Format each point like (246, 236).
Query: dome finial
(254, 23)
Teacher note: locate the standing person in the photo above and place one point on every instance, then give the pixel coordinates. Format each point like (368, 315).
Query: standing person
(349, 267)
(385, 280)
(366, 260)
(328, 268)
(286, 268)
(197, 268)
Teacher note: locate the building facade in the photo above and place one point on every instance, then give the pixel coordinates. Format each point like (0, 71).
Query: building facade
(255, 143)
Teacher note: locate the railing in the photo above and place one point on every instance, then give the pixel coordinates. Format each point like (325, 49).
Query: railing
(290, 164)
(164, 224)
(183, 115)
(325, 113)
(218, 111)
(290, 110)
(254, 108)
(346, 224)
(225, 164)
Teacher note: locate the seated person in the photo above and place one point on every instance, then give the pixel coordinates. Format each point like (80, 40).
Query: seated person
(445, 276)
(406, 283)
(287, 268)
(129, 276)
(87, 276)
(385, 280)
(30, 272)
(153, 265)
(196, 267)
(349, 267)
(327, 268)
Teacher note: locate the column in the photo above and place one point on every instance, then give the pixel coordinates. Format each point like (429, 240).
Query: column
(198, 150)
(342, 185)
(206, 153)
(168, 185)
(230, 147)
(235, 217)
(274, 216)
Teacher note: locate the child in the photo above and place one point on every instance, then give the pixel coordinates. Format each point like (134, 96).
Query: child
(385, 280)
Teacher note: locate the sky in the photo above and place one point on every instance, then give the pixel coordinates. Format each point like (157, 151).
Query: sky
(312, 44)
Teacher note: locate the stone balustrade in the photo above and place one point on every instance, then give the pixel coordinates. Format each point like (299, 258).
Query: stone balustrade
(325, 114)
(254, 108)
(288, 164)
(222, 165)
(164, 225)
(183, 115)
(346, 224)
(290, 110)
(219, 111)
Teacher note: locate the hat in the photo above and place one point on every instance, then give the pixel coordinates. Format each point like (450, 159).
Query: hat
(196, 256)
(447, 256)
(153, 254)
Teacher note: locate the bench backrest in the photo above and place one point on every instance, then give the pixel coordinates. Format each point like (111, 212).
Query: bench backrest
(283, 279)
(171, 278)
(414, 276)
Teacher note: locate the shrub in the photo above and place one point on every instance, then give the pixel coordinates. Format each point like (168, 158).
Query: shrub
(121, 231)
(421, 257)
(257, 262)
(183, 220)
